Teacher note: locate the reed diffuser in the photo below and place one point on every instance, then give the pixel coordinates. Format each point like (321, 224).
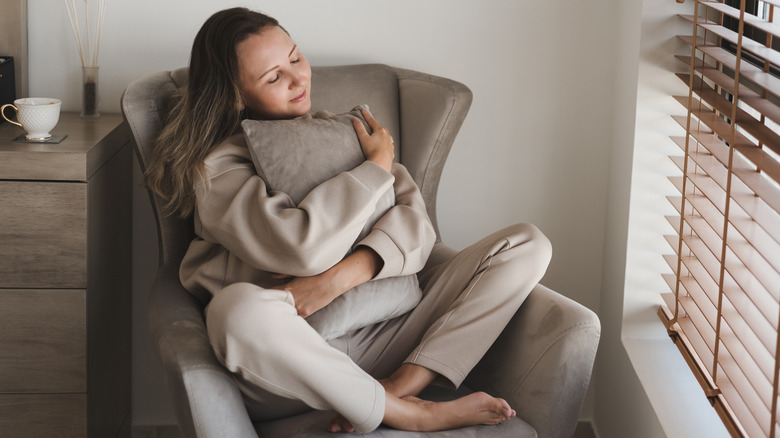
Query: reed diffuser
(89, 49)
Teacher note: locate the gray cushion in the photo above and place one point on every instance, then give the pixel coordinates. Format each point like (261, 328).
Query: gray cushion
(294, 156)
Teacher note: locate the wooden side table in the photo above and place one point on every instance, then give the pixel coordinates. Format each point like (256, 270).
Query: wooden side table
(65, 281)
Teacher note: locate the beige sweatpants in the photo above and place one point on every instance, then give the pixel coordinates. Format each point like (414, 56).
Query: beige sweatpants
(284, 367)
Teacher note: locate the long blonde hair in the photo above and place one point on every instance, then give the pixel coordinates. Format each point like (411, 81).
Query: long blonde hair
(206, 111)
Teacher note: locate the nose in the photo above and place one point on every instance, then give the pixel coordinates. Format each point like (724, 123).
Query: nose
(296, 80)
(299, 78)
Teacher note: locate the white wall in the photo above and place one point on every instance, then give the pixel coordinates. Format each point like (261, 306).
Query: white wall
(622, 407)
(535, 147)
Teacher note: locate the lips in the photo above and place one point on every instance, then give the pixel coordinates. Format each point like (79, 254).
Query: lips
(300, 98)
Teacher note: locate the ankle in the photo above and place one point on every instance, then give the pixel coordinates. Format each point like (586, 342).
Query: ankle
(409, 414)
(408, 380)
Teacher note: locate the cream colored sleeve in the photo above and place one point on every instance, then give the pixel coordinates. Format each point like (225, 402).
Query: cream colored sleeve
(404, 236)
(268, 232)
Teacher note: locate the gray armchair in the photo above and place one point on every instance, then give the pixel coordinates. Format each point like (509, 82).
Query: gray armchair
(541, 364)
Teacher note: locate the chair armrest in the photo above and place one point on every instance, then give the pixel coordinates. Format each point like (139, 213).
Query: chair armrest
(206, 400)
(542, 362)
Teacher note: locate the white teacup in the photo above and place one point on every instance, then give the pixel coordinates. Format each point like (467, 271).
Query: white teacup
(36, 115)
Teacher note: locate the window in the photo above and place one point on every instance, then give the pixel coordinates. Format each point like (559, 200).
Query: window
(723, 304)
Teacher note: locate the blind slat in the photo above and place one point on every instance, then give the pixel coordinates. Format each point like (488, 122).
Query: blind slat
(758, 375)
(699, 271)
(754, 47)
(741, 315)
(748, 96)
(704, 256)
(754, 127)
(690, 343)
(743, 168)
(750, 19)
(753, 415)
(701, 229)
(690, 17)
(749, 183)
(744, 278)
(705, 271)
(735, 268)
(768, 164)
(761, 241)
(730, 376)
(754, 74)
(742, 143)
(749, 406)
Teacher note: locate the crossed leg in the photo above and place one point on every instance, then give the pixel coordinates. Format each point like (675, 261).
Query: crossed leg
(467, 302)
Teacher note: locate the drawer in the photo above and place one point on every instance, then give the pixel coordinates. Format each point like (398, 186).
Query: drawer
(43, 415)
(43, 234)
(43, 334)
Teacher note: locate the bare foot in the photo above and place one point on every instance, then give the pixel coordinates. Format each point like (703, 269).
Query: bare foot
(411, 413)
(403, 410)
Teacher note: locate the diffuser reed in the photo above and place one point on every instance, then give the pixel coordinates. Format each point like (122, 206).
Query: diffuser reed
(89, 49)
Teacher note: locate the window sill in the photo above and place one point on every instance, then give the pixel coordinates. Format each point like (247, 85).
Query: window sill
(673, 391)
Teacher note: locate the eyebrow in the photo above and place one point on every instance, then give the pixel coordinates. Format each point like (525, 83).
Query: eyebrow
(295, 46)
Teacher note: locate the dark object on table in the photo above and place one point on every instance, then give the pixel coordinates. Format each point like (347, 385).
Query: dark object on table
(7, 82)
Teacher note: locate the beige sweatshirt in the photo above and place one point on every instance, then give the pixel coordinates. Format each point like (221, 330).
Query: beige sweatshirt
(245, 233)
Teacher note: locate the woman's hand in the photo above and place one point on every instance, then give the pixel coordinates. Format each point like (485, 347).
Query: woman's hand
(377, 146)
(313, 293)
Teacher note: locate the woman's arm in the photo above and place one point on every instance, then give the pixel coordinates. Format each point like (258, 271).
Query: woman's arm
(313, 293)
(404, 236)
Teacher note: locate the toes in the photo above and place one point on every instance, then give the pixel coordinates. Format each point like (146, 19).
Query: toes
(504, 409)
(340, 424)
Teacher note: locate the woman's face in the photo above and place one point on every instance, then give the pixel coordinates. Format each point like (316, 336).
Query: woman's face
(273, 76)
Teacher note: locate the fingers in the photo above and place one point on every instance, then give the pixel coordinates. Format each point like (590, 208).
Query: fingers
(372, 123)
(377, 146)
(377, 130)
(360, 129)
(375, 126)
(371, 120)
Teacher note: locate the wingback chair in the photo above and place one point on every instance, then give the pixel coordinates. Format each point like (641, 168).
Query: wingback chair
(541, 364)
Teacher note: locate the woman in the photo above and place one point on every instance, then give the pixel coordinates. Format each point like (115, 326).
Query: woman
(245, 65)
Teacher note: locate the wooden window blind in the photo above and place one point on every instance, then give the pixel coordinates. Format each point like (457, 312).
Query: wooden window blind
(723, 308)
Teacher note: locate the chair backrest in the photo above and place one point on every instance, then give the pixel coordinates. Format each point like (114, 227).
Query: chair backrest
(422, 112)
